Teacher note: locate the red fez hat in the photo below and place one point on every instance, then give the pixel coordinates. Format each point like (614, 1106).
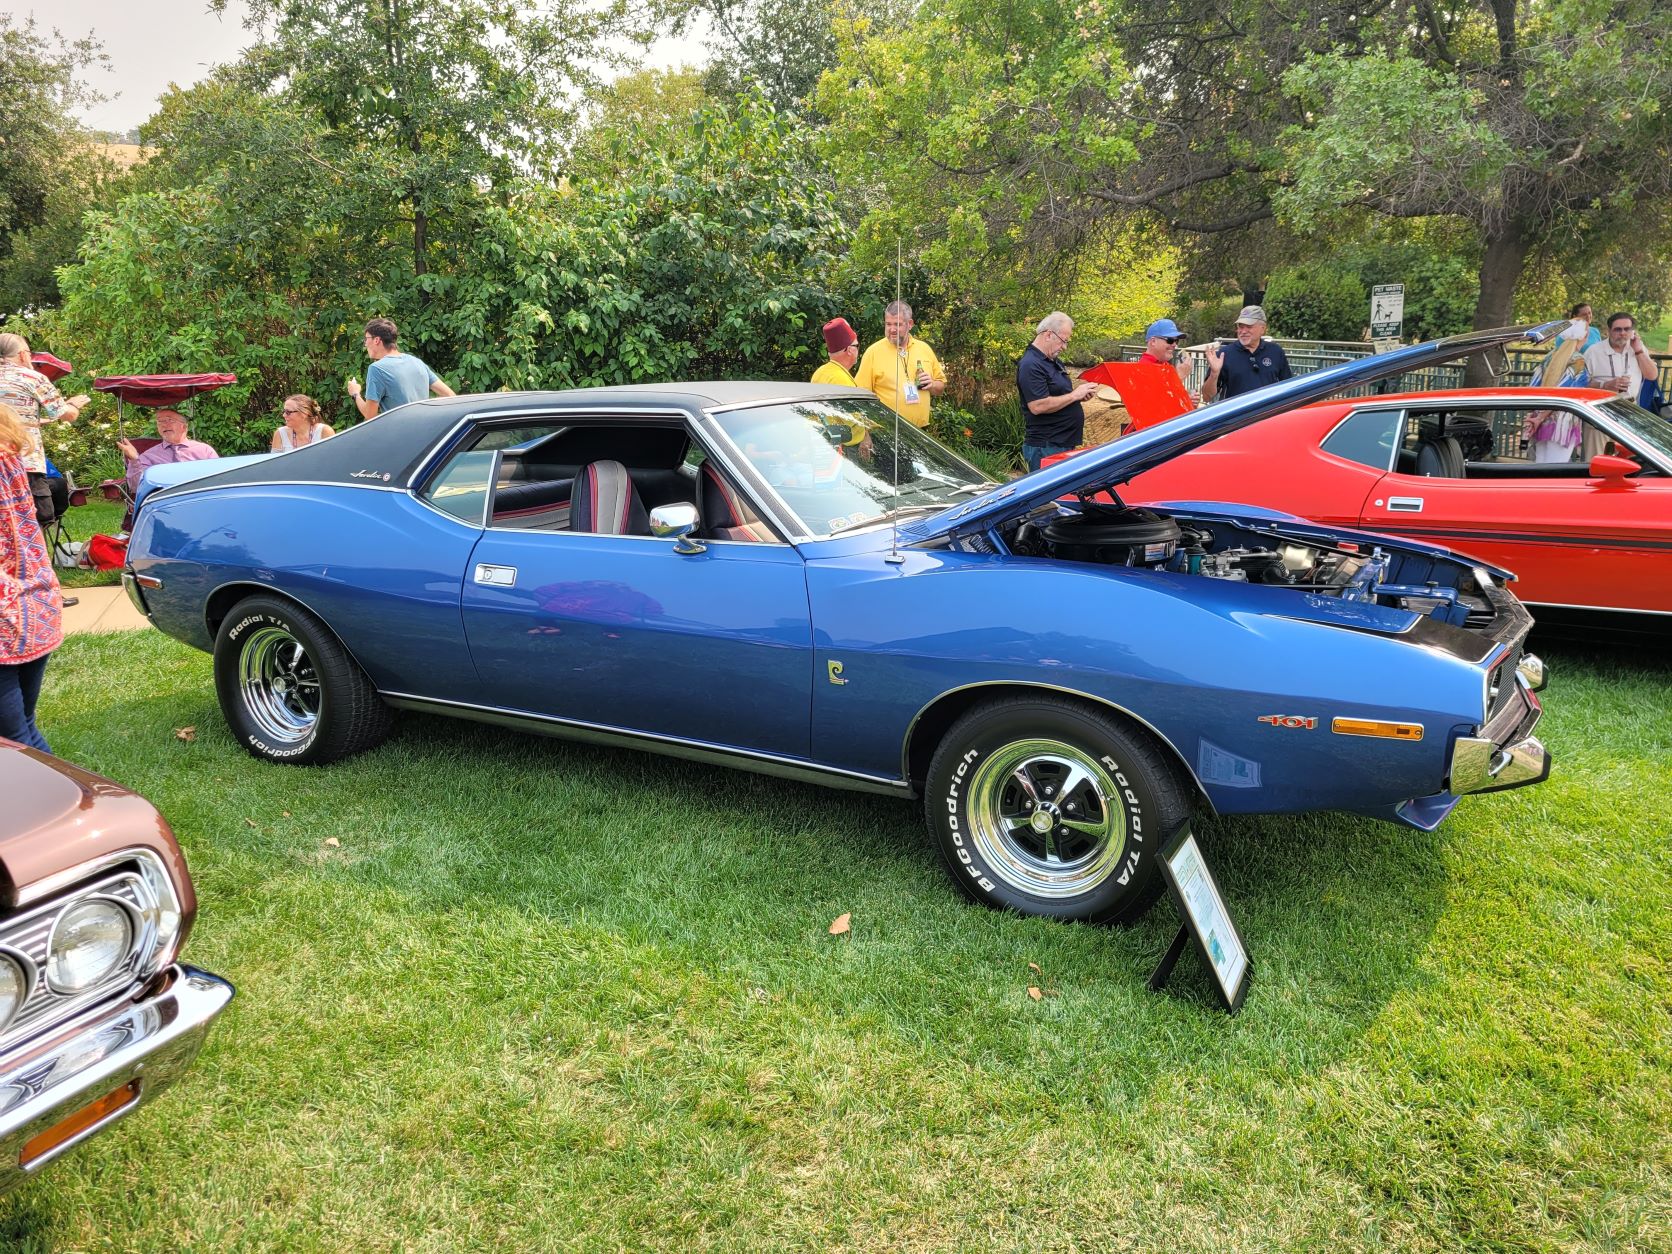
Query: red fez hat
(838, 335)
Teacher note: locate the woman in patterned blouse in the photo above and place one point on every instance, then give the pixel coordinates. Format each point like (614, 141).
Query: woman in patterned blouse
(31, 618)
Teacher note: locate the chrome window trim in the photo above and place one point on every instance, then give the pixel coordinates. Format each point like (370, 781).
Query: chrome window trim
(631, 738)
(707, 435)
(1398, 436)
(188, 490)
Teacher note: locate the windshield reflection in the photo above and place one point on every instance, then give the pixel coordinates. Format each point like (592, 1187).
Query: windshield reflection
(836, 463)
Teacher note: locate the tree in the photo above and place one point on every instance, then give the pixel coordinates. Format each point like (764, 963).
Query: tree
(646, 111)
(1538, 126)
(1257, 131)
(46, 165)
(782, 47)
(425, 102)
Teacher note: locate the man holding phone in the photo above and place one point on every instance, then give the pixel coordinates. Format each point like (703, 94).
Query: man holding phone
(1252, 362)
(1051, 401)
(1620, 363)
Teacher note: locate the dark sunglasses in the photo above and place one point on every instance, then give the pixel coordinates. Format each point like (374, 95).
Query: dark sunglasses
(1172, 339)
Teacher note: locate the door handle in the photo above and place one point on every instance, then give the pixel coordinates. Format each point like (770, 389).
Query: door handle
(1405, 504)
(496, 576)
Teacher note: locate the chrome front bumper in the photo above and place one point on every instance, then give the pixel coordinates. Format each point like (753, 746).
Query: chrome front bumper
(146, 1043)
(1505, 754)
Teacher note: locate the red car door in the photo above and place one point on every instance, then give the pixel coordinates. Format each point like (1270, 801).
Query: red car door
(1572, 540)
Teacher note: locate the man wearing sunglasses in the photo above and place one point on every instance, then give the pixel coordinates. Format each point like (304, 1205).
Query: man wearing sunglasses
(1161, 342)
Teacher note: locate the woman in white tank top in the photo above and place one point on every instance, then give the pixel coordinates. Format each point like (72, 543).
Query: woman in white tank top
(302, 424)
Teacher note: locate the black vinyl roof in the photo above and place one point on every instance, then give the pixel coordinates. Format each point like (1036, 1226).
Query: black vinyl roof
(389, 449)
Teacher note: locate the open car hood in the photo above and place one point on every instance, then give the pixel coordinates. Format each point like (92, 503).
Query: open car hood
(1101, 468)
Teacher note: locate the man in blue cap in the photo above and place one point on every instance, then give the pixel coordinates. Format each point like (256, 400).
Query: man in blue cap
(1161, 342)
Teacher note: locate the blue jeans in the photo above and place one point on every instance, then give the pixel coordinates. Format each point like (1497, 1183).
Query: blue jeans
(20, 688)
(1033, 454)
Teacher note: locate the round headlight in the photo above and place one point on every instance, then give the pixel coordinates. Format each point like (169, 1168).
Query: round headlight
(89, 941)
(14, 987)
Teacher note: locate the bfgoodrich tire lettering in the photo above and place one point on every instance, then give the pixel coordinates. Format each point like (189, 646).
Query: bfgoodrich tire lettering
(289, 691)
(1052, 807)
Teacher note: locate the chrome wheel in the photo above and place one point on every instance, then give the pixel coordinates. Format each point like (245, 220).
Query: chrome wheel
(279, 685)
(1046, 818)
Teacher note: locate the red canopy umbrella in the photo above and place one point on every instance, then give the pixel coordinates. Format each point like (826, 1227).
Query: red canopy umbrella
(158, 389)
(52, 367)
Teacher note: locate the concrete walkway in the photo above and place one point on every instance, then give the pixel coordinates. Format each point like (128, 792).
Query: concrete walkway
(101, 609)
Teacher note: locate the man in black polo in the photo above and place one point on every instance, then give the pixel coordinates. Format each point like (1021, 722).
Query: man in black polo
(1050, 402)
(1252, 362)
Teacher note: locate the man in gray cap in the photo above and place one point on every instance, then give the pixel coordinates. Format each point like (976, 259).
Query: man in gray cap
(1252, 362)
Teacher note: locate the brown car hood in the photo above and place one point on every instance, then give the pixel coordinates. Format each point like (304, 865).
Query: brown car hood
(55, 817)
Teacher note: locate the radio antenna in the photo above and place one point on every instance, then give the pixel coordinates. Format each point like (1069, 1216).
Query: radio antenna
(895, 557)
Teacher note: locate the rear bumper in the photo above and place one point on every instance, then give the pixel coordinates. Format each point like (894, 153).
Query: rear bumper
(141, 1045)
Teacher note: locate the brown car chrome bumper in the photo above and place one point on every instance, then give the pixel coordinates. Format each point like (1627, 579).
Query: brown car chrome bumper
(109, 1064)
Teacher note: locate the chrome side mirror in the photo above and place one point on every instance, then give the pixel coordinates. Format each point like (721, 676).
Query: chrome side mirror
(676, 522)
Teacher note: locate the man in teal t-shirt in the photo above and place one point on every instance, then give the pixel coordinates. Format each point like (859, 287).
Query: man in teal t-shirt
(394, 377)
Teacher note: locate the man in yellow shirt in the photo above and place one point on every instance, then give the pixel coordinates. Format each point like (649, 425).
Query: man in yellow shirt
(903, 371)
(843, 346)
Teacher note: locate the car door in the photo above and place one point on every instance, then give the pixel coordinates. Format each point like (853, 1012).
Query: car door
(1571, 539)
(624, 632)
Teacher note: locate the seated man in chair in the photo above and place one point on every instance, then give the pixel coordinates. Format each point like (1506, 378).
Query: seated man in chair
(175, 447)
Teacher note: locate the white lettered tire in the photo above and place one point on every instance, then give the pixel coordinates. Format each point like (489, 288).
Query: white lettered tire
(289, 690)
(1052, 807)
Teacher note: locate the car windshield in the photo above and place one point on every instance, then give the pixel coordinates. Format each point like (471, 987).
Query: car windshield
(1642, 429)
(835, 462)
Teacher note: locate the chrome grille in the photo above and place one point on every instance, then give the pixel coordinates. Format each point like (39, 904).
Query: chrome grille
(1504, 681)
(30, 931)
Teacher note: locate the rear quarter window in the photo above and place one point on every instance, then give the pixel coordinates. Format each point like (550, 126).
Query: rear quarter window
(1366, 436)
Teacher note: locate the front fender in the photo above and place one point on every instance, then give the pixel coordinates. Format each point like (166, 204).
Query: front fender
(1202, 662)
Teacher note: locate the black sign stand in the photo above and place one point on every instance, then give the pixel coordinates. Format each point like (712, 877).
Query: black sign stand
(1206, 920)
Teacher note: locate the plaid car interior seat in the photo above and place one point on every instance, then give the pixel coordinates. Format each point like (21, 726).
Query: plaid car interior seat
(606, 503)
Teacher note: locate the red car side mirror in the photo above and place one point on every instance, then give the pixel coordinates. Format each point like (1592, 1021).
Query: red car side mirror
(1613, 470)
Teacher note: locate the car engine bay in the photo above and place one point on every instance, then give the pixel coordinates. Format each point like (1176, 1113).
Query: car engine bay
(1262, 553)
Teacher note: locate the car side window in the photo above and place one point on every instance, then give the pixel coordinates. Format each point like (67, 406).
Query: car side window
(461, 487)
(1367, 436)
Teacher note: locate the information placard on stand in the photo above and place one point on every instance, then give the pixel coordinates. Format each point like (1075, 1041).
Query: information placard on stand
(1205, 920)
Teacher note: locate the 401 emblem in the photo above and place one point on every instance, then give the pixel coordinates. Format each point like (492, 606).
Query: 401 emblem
(1289, 720)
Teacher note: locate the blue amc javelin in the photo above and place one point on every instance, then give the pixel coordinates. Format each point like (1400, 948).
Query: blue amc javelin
(784, 578)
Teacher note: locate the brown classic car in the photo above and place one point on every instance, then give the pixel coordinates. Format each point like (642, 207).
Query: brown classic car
(96, 1016)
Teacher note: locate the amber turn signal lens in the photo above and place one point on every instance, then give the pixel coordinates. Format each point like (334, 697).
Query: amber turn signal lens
(1375, 727)
(43, 1143)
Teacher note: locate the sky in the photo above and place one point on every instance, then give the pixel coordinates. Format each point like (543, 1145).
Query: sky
(152, 43)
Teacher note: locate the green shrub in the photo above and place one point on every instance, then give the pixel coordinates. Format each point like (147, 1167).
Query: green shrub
(1317, 301)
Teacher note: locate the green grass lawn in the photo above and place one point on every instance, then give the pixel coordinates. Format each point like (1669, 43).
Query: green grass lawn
(503, 992)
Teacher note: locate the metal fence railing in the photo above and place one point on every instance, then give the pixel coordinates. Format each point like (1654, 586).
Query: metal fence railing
(1306, 356)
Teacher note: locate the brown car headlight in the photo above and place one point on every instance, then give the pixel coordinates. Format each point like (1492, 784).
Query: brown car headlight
(14, 987)
(91, 939)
